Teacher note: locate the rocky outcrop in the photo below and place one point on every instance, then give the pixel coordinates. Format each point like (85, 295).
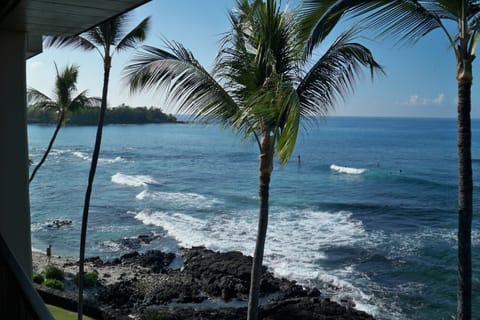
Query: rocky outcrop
(209, 285)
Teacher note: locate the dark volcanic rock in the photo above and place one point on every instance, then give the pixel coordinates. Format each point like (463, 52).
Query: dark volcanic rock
(154, 259)
(133, 243)
(310, 309)
(295, 309)
(121, 295)
(225, 275)
(212, 275)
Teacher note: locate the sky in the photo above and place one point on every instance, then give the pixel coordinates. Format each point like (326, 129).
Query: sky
(419, 81)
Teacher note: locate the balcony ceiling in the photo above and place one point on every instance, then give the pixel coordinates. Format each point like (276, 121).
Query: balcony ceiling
(57, 17)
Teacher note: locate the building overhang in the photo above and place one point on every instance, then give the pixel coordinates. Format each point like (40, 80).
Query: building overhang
(38, 18)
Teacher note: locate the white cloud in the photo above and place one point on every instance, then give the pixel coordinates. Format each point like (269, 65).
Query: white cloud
(416, 100)
(36, 64)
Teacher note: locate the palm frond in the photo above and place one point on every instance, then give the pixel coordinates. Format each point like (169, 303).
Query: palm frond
(81, 101)
(76, 42)
(406, 21)
(179, 75)
(136, 35)
(334, 75)
(98, 35)
(291, 115)
(34, 97)
(319, 17)
(66, 84)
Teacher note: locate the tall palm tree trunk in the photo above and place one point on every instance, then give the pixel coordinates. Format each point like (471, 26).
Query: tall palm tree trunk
(266, 167)
(91, 176)
(465, 191)
(50, 145)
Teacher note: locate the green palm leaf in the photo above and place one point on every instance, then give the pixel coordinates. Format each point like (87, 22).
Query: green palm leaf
(182, 78)
(135, 36)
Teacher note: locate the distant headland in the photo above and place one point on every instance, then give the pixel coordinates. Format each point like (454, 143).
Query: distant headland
(121, 114)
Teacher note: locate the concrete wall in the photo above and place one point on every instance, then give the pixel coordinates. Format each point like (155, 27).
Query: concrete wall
(14, 195)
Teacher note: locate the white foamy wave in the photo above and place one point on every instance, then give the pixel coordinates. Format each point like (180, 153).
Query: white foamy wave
(295, 243)
(86, 157)
(133, 181)
(346, 170)
(179, 199)
(81, 155)
(116, 159)
(111, 246)
(56, 152)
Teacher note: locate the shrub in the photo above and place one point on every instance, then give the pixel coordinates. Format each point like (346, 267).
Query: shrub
(153, 315)
(52, 272)
(55, 284)
(38, 278)
(90, 279)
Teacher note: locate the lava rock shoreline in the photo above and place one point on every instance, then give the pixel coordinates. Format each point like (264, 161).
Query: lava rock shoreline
(207, 285)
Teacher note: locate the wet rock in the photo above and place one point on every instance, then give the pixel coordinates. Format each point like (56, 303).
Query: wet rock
(310, 309)
(57, 223)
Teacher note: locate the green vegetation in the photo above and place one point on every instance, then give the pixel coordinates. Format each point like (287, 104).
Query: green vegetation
(38, 278)
(54, 284)
(52, 272)
(122, 114)
(62, 314)
(90, 279)
(154, 315)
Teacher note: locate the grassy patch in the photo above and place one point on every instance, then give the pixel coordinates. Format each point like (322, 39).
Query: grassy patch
(62, 314)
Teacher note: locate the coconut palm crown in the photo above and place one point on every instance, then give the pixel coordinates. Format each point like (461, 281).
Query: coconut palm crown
(63, 102)
(262, 85)
(106, 39)
(406, 22)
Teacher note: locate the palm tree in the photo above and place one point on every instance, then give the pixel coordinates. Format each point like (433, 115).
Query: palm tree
(62, 103)
(408, 21)
(107, 38)
(260, 86)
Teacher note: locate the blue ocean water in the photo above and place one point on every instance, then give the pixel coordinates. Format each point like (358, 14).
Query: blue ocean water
(370, 208)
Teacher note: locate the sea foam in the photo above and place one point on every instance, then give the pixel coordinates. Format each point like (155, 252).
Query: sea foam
(295, 242)
(133, 180)
(346, 170)
(184, 200)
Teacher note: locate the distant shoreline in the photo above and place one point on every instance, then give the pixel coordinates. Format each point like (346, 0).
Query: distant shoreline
(89, 116)
(106, 124)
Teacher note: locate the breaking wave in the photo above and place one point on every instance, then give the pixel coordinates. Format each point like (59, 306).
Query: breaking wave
(133, 180)
(346, 170)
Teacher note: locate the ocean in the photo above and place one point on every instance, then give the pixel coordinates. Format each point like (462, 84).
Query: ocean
(370, 208)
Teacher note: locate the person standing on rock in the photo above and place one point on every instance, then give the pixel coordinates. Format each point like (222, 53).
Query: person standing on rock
(49, 253)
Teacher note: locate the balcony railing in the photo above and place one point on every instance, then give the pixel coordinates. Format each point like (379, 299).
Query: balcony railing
(18, 298)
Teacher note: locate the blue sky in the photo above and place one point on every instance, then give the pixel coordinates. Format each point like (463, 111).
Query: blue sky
(419, 81)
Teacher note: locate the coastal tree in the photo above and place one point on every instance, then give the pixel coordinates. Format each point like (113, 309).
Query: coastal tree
(407, 21)
(262, 85)
(108, 38)
(62, 103)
